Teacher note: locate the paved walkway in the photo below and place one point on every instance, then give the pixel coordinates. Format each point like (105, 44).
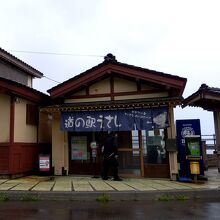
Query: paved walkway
(88, 188)
(89, 184)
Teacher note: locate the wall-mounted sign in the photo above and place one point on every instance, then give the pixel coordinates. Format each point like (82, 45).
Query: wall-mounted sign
(44, 163)
(193, 146)
(78, 148)
(115, 120)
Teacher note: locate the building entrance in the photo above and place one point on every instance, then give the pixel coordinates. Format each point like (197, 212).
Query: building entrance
(82, 160)
(129, 154)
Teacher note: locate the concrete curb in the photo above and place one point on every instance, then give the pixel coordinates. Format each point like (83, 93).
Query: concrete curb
(115, 196)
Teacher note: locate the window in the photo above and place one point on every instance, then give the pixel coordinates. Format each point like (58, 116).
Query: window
(32, 114)
(155, 152)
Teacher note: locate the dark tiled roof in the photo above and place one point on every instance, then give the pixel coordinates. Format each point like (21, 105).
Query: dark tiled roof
(19, 63)
(206, 88)
(45, 98)
(205, 97)
(114, 61)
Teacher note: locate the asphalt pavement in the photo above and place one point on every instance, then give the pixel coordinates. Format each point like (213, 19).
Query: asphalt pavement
(115, 210)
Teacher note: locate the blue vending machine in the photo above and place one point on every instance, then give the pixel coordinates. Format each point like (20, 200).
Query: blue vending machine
(189, 145)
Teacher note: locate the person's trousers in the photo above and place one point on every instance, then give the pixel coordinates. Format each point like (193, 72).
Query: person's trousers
(110, 163)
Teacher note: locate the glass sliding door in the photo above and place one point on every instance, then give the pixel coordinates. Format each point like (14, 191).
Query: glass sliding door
(156, 161)
(129, 154)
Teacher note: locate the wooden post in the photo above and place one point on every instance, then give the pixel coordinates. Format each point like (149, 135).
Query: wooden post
(172, 155)
(141, 152)
(217, 133)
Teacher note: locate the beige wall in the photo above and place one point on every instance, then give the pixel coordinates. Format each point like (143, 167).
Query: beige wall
(87, 100)
(142, 96)
(146, 87)
(45, 128)
(81, 92)
(100, 87)
(127, 97)
(23, 132)
(123, 85)
(4, 117)
(59, 147)
(120, 85)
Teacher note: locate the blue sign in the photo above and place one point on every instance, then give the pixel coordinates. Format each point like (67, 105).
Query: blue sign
(115, 120)
(186, 128)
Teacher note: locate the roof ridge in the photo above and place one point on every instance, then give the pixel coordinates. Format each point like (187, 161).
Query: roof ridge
(35, 72)
(206, 87)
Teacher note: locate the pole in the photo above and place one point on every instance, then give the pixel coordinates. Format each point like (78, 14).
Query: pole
(141, 152)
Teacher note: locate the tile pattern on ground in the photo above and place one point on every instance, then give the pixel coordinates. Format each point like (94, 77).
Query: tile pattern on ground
(139, 186)
(3, 180)
(88, 184)
(100, 185)
(81, 185)
(25, 186)
(119, 185)
(44, 186)
(7, 186)
(63, 186)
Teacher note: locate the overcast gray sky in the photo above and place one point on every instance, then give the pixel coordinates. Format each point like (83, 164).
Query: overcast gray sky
(172, 36)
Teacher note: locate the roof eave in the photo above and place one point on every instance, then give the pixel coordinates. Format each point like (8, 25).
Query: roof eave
(125, 104)
(162, 78)
(24, 91)
(20, 64)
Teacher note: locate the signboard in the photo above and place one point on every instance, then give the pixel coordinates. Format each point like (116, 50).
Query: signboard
(187, 128)
(94, 152)
(78, 148)
(115, 120)
(193, 146)
(44, 162)
(93, 145)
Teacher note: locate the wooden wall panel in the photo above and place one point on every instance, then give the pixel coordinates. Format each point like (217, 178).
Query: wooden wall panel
(4, 159)
(156, 170)
(23, 158)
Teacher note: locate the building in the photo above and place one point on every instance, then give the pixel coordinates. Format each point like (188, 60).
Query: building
(208, 98)
(135, 102)
(24, 133)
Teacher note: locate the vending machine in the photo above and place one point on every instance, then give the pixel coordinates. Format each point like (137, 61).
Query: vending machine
(189, 145)
(194, 155)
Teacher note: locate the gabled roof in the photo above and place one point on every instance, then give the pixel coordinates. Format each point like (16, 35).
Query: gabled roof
(206, 97)
(4, 55)
(112, 66)
(22, 91)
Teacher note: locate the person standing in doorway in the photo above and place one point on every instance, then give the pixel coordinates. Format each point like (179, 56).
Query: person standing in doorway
(110, 153)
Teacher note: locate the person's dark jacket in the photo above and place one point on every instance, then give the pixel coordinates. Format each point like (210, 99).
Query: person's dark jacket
(110, 147)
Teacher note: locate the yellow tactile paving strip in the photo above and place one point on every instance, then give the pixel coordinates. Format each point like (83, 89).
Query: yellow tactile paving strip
(89, 184)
